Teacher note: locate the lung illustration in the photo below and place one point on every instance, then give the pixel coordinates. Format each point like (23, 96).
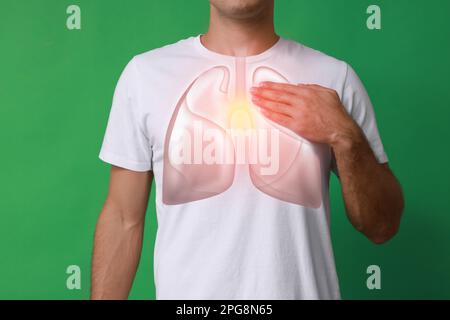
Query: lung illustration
(201, 153)
(202, 108)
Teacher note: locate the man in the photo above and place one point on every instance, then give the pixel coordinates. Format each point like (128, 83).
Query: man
(240, 129)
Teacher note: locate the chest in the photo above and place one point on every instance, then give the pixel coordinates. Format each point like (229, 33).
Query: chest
(202, 127)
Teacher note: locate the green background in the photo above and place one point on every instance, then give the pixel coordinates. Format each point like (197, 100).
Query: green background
(56, 87)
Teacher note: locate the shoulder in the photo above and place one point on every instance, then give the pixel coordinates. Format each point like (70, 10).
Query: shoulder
(164, 54)
(316, 62)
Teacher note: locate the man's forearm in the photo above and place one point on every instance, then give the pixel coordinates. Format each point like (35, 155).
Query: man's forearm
(372, 194)
(117, 250)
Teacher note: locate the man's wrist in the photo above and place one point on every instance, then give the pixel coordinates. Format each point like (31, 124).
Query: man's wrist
(348, 138)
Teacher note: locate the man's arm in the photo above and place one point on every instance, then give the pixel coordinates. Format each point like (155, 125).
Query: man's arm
(373, 197)
(119, 234)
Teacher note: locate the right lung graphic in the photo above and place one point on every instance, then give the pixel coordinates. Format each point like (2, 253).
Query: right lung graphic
(210, 133)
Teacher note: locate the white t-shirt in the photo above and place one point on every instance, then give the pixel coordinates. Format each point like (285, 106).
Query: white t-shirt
(242, 203)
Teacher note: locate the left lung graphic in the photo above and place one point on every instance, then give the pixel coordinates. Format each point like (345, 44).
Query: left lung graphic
(206, 101)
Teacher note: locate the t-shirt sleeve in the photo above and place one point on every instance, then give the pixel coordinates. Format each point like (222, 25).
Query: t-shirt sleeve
(125, 143)
(357, 102)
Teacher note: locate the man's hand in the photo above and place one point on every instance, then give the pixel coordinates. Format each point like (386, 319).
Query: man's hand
(313, 112)
(372, 194)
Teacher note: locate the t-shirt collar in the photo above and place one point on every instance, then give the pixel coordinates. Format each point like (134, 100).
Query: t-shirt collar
(249, 59)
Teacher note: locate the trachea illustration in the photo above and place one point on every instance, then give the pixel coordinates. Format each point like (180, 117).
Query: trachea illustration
(215, 129)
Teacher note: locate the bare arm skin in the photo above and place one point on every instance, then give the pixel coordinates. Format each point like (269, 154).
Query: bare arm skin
(372, 195)
(119, 234)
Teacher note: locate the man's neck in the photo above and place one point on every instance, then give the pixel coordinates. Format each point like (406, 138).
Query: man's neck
(240, 37)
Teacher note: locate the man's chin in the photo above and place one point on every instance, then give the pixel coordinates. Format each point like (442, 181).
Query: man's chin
(245, 9)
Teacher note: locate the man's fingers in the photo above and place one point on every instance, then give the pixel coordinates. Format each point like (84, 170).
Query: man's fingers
(316, 87)
(291, 88)
(273, 106)
(274, 95)
(276, 117)
(286, 87)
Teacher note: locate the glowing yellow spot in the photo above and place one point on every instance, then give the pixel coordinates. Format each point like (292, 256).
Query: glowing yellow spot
(240, 115)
